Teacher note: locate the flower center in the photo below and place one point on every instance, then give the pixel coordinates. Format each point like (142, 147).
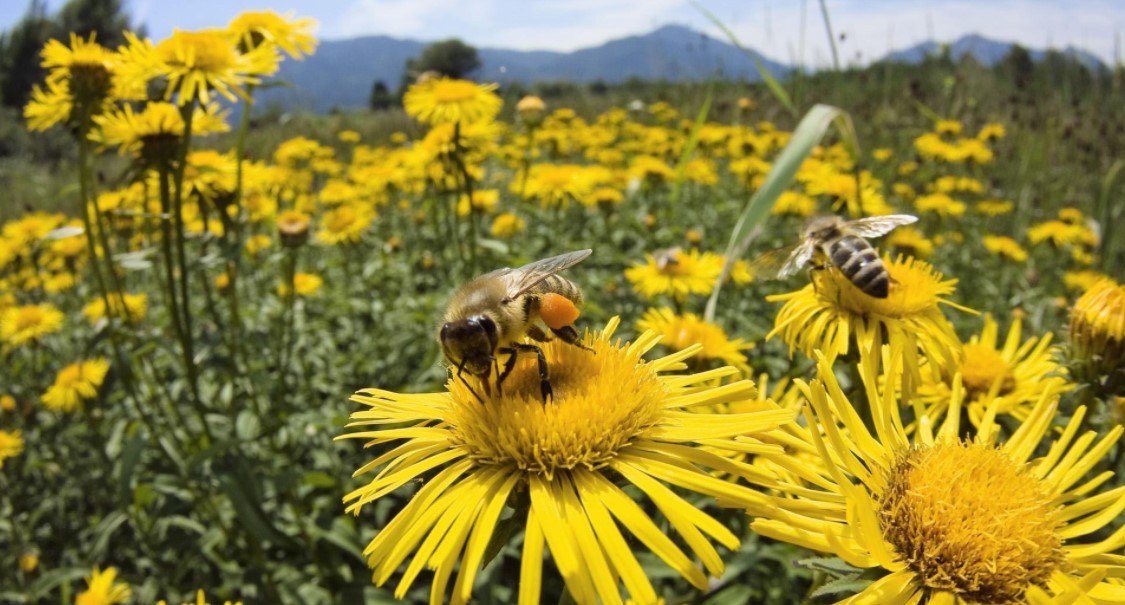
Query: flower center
(603, 401)
(454, 91)
(982, 367)
(70, 375)
(969, 520)
(29, 318)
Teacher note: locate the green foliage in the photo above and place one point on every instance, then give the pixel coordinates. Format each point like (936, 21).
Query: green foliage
(452, 58)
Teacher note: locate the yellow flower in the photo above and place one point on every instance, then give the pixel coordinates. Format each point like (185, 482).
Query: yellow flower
(348, 136)
(946, 520)
(948, 127)
(198, 63)
(484, 201)
(135, 307)
(676, 273)
(883, 154)
(1008, 378)
(828, 314)
(256, 28)
(680, 332)
(258, 243)
(445, 101)
(103, 589)
(1097, 334)
(153, 134)
(792, 203)
(29, 562)
(79, 84)
(614, 418)
(293, 228)
(75, 384)
(994, 207)
(200, 599)
(940, 204)
(507, 225)
(910, 241)
(345, 223)
(29, 323)
(11, 445)
(556, 185)
(305, 284)
(991, 131)
(1082, 281)
(1004, 246)
(7, 403)
(1061, 233)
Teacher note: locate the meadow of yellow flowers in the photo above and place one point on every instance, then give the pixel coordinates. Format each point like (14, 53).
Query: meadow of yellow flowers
(180, 346)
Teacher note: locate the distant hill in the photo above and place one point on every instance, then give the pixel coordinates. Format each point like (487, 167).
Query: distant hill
(984, 50)
(342, 72)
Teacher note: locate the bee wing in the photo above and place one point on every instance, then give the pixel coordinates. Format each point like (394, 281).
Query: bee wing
(528, 276)
(780, 263)
(874, 226)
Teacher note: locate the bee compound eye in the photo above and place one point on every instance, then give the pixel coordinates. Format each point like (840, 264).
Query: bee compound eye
(444, 333)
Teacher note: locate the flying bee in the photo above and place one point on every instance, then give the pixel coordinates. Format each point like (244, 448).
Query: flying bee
(666, 257)
(491, 315)
(841, 244)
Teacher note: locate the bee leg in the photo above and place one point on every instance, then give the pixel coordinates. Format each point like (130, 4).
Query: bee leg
(570, 336)
(544, 381)
(460, 369)
(813, 268)
(536, 333)
(509, 365)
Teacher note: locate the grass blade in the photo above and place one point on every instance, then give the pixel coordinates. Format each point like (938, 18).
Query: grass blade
(692, 142)
(807, 136)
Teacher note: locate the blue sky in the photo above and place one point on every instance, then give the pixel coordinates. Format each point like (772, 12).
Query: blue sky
(786, 30)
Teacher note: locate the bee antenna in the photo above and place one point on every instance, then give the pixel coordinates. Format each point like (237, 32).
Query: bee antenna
(470, 387)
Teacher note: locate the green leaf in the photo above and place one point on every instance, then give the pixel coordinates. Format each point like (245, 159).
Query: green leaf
(247, 426)
(807, 136)
(735, 594)
(834, 566)
(103, 532)
(52, 579)
(851, 584)
(134, 448)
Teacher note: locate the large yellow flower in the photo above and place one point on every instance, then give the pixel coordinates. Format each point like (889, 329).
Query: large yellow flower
(29, 323)
(950, 521)
(1097, 335)
(1010, 378)
(154, 133)
(80, 80)
(828, 314)
(199, 63)
(615, 421)
(103, 589)
(76, 384)
(255, 28)
(437, 101)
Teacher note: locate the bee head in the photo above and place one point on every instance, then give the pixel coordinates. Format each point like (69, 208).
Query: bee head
(469, 343)
(821, 227)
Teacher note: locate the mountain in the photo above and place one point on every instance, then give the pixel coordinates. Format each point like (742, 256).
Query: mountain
(341, 72)
(984, 50)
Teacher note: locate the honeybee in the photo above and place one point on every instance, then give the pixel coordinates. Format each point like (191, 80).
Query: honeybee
(490, 316)
(842, 244)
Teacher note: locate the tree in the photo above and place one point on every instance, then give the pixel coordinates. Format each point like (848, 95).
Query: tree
(106, 18)
(450, 57)
(19, 55)
(380, 98)
(1018, 65)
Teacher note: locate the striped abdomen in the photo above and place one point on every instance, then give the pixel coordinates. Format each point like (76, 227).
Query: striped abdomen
(859, 262)
(559, 285)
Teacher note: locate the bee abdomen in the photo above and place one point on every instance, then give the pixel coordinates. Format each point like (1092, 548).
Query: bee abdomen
(860, 263)
(561, 286)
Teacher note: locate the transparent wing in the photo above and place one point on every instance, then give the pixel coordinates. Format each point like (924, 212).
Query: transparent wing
(528, 276)
(780, 263)
(874, 226)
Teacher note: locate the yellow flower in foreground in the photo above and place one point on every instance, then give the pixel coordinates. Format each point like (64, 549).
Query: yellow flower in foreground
(446, 101)
(614, 417)
(29, 323)
(949, 521)
(305, 284)
(1004, 246)
(75, 384)
(1009, 376)
(676, 273)
(255, 28)
(153, 134)
(200, 599)
(680, 332)
(827, 314)
(102, 589)
(11, 445)
(136, 306)
(198, 63)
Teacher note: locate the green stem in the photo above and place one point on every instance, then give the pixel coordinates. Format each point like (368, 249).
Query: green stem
(181, 254)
